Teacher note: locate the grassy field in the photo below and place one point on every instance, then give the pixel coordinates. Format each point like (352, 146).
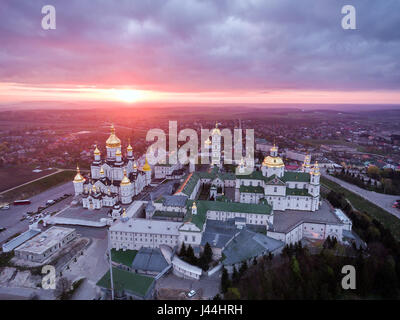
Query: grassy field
(36, 187)
(327, 142)
(14, 176)
(388, 220)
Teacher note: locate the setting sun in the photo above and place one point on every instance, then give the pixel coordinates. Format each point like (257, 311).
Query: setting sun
(128, 96)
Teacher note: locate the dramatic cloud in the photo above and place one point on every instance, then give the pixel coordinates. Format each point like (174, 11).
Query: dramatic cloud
(187, 45)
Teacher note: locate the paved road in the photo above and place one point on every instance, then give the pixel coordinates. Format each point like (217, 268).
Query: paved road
(383, 201)
(10, 218)
(92, 265)
(208, 285)
(88, 232)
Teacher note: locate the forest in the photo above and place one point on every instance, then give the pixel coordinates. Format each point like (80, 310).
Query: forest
(298, 274)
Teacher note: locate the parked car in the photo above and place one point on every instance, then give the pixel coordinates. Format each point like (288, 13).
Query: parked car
(191, 293)
(50, 202)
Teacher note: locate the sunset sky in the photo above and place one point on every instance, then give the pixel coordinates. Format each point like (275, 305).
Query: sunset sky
(265, 51)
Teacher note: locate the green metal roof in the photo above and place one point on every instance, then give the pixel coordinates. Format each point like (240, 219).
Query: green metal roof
(125, 280)
(297, 192)
(251, 189)
(190, 184)
(203, 206)
(296, 176)
(171, 214)
(123, 257)
(255, 175)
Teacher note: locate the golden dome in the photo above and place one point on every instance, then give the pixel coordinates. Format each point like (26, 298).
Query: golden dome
(124, 213)
(134, 166)
(125, 180)
(113, 141)
(118, 153)
(275, 162)
(315, 169)
(78, 177)
(129, 148)
(96, 151)
(146, 166)
(101, 170)
(208, 141)
(274, 148)
(216, 130)
(194, 205)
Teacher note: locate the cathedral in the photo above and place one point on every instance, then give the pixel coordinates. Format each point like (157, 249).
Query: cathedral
(280, 188)
(112, 180)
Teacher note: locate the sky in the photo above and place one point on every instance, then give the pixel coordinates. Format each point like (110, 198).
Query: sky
(238, 51)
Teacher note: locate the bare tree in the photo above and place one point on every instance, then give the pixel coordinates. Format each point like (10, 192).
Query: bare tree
(62, 288)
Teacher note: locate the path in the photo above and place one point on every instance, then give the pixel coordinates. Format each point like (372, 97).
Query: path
(384, 201)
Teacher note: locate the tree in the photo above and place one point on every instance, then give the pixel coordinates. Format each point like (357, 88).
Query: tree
(225, 282)
(387, 185)
(182, 252)
(295, 268)
(270, 256)
(243, 268)
(190, 257)
(373, 172)
(232, 294)
(235, 275)
(207, 253)
(206, 257)
(62, 288)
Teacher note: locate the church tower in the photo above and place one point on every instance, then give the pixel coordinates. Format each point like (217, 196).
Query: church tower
(129, 152)
(96, 164)
(147, 170)
(314, 186)
(97, 154)
(78, 182)
(192, 165)
(307, 163)
(241, 167)
(216, 146)
(126, 189)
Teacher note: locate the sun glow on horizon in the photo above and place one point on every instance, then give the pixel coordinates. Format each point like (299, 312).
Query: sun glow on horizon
(126, 95)
(14, 92)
